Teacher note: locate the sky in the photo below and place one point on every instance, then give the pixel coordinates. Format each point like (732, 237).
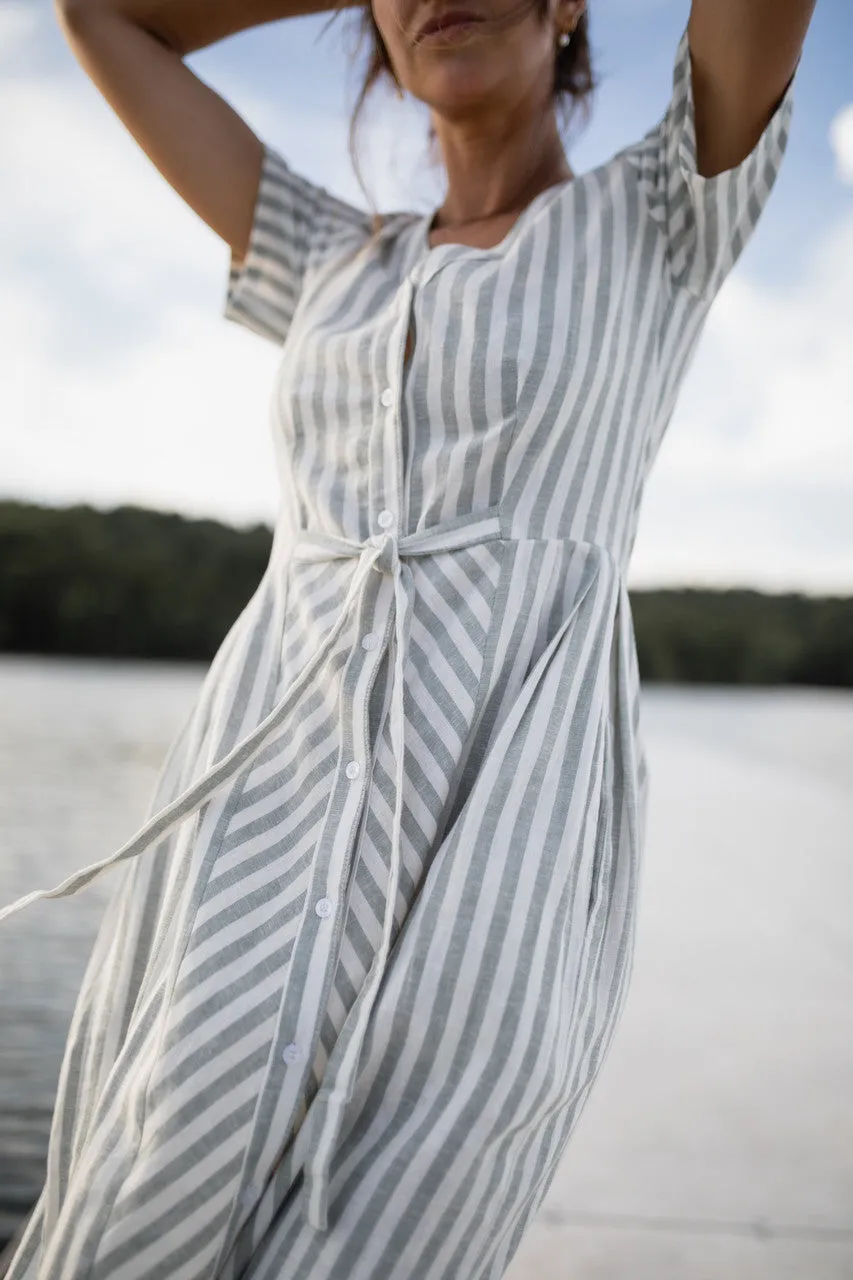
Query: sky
(121, 382)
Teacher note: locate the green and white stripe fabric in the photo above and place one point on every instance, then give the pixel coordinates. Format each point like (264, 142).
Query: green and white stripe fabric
(364, 960)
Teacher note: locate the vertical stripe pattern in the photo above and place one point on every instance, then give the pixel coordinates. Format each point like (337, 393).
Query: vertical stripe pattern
(365, 958)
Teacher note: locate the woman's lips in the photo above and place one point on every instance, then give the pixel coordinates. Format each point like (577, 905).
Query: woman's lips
(451, 27)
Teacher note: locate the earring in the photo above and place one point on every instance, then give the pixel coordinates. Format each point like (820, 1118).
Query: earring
(564, 39)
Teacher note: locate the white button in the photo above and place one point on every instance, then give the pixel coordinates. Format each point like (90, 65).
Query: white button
(387, 397)
(353, 769)
(385, 519)
(324, 907)
(292, 1053)
(370, 641)
(250, 1195)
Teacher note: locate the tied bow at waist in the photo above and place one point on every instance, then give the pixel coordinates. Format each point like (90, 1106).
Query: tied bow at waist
(386, 553)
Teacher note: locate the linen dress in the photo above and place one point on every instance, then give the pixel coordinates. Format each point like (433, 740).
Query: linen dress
(364, 960)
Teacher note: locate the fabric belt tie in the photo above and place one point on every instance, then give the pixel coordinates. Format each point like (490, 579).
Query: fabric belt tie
(386, 553)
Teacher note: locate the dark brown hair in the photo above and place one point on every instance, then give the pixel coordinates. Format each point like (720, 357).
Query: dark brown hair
(574, 81)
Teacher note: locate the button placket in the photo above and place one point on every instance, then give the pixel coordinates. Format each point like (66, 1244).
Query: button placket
(282, 1095)
(323, 916)
(355, 771)
(387, 480)
(399, 477)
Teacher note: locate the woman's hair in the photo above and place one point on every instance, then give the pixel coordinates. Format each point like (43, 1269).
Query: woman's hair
(574, 82)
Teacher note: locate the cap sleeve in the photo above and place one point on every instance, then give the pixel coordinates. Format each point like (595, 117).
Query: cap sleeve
(707, 221)
(292, 219)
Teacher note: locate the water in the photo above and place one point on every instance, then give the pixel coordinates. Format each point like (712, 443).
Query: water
(81, 744)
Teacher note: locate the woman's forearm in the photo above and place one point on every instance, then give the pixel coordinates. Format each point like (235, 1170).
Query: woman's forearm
(187, 25)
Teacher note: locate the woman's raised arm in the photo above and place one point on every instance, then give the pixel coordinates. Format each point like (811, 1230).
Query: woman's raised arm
(133, 52)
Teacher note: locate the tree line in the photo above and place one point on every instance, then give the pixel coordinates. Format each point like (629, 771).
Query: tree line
(135, 583)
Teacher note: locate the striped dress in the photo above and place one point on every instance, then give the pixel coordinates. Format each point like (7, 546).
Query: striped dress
(365, 958)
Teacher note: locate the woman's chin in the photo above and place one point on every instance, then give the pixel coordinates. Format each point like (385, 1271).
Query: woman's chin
(455, 85)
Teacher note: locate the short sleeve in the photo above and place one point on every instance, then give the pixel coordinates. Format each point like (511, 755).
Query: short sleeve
(292, 218)
(707, 221)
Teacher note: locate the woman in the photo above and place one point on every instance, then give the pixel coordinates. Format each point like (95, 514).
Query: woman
(366, 957)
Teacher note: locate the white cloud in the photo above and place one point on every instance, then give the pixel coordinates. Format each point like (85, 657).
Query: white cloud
(18, 24)
(85, 191)
(787, 355)
(177, 424)
(841, 142)
(172, 413)
(754, 481)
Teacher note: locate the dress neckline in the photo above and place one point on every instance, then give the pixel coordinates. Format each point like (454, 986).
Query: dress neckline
(424, 226)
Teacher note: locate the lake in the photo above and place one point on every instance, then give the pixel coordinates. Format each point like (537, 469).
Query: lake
(717, 1140)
